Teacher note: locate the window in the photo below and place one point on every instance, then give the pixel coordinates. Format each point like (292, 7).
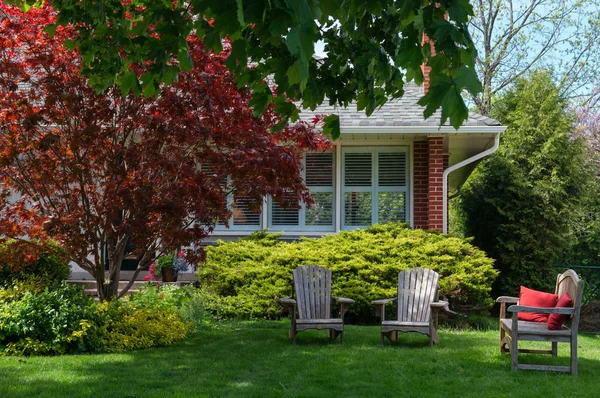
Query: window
(319, 178)
(374, 186)
(243, 218)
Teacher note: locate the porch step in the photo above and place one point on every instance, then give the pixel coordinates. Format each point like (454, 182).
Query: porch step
(91, 284)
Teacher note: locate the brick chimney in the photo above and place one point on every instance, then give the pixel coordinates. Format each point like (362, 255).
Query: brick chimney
(426, 69)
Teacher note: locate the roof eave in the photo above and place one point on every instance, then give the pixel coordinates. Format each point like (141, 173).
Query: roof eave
(442, 130)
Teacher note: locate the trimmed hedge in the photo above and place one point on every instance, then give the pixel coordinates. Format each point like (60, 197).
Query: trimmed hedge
(249, 276)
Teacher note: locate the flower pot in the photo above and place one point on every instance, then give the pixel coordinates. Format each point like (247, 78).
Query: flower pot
(168, 275)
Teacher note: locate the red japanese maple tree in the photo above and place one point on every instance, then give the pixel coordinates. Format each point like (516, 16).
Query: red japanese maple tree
(103, 172)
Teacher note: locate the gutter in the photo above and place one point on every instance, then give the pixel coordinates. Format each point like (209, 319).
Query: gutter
(458, 166)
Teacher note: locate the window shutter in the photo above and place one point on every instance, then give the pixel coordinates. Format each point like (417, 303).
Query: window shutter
(358, 181)
(392, 169)
(242, 215)
(319, 180)
(281, 216)
(391, 189)
(358, 169)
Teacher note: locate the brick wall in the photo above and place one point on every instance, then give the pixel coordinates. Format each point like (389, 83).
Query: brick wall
(435, 178)
(421, 183)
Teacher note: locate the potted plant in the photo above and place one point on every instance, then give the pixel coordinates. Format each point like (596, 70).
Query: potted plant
(167, 268)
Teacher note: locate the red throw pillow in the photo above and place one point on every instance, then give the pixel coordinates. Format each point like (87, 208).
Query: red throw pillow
(534, 298)
(555, 321)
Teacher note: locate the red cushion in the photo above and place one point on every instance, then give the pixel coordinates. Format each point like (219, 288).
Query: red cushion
(555, 321)
(534, 298)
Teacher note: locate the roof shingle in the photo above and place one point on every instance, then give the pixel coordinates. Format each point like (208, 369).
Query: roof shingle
(403, 112)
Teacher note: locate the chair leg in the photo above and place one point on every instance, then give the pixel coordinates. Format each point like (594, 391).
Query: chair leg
(502, 343)
(293, 333)
(514, 353)
(574, 355)
(342, 336)
(554, 349)
(382, 338)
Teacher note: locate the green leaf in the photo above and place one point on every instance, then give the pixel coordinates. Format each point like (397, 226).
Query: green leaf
(51, 29)
(454, 108)
(238, 57)
(185, 61)
(127, 81)
(259, 102)
(460, 10)
(240, 13)
(332, 126)
(69, 44)
(467, 77)
(170, 74)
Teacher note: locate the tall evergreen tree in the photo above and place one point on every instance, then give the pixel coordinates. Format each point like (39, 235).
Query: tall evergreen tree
(521, 203)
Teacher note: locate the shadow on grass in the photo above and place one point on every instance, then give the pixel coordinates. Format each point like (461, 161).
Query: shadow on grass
(257, 359)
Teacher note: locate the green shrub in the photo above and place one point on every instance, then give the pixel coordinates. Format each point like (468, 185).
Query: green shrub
(249, 276)
(64, 320)
(129, 328)
(186, 301)
(49, 267)
(51, 322)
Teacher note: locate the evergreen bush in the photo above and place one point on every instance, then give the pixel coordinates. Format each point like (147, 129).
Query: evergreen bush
(248, 277)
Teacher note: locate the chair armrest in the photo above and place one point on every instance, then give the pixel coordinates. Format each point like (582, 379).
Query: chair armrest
(507, 299)
(542, 310)
(344, 300)
(384, 301)
(442, 305)
(345, 304)
(287, 301)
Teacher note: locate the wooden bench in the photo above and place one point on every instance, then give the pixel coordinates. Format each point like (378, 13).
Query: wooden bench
(512, 330)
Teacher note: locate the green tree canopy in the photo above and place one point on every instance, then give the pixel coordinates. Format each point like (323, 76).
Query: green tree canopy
(372, 47)
(522, 203)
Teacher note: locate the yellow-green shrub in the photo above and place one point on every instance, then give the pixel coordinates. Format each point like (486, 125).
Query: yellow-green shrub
(250, 275)
(129, 328)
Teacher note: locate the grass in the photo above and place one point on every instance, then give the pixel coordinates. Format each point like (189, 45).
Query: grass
(255, 359)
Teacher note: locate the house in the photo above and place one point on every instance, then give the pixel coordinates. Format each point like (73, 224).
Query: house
(391, 166)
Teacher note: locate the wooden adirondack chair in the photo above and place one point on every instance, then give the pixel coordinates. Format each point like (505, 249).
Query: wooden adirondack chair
(512, 330)
(311, 309)
(418, 305)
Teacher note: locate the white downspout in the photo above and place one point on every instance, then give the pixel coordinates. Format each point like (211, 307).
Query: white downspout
(458, 166)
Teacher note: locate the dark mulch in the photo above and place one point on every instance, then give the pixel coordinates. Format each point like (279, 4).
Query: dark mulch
(590, 317)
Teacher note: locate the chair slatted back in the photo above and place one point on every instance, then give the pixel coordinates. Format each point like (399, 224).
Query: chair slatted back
(417, 289)
(312, 285)
(570, 283)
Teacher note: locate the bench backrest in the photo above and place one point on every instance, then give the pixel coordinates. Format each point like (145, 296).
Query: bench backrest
(570, 282)
(312, 285)
(417, 289)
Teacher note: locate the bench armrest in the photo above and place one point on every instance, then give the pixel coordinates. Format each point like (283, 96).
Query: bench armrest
(542, 310)
(507, 299)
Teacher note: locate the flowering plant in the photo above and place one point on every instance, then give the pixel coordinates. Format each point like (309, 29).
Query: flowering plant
(176, 262)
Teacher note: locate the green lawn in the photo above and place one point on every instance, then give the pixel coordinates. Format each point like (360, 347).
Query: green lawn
(256, 359)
